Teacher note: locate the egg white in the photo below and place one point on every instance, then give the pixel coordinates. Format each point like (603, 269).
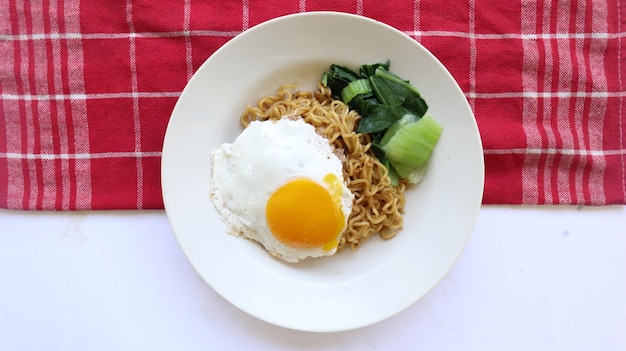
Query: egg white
(265, 156)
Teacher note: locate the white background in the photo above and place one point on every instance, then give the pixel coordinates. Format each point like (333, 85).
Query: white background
(531, 278)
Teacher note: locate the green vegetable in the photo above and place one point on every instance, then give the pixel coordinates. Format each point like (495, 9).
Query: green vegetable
(410, 162)
(378, 117)
(393, 174)
(384, 73)
(413, 143)
(387, 92)
(359, 87)
(370, 70)
(416, 174)
(406, 119)
(393, 112)
(337, 78)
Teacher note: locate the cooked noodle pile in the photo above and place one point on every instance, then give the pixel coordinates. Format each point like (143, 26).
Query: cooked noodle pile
(378, 206)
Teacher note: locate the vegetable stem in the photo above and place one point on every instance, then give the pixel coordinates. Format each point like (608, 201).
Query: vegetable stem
(358, 87)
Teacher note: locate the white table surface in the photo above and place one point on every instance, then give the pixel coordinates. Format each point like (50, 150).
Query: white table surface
(531, 278)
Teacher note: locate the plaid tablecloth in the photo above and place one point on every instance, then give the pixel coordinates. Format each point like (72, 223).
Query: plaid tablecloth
(88, 87)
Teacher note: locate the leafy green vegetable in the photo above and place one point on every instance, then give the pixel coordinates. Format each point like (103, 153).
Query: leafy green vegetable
(417, 174)
(337, 78)
(378, 117)
(413, 143)
(370, 70)
(415, 104)
(359, 87)
(393, 129)
(388, 93)
(403, 170)
(389, 102)
(391, 111)
(393, 174)
(384, 73)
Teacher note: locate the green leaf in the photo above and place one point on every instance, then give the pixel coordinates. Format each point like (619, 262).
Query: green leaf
(388, 93)
(370, 70)
(393, 175)
(384, 73)
(337, 78)
(379, 117)
(415, 105)
(378, 152)
(361, 105)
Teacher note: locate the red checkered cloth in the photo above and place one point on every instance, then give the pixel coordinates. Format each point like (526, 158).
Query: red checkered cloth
(88, 88)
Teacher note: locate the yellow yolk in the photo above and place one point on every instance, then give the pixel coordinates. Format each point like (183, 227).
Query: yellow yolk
(305, 214)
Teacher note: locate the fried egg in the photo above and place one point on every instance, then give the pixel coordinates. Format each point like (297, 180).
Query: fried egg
(280, 184)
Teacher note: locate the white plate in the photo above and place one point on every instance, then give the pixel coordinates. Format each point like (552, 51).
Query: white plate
(351, 289)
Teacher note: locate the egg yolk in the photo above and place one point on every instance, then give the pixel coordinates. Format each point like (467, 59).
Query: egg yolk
(304, 214)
